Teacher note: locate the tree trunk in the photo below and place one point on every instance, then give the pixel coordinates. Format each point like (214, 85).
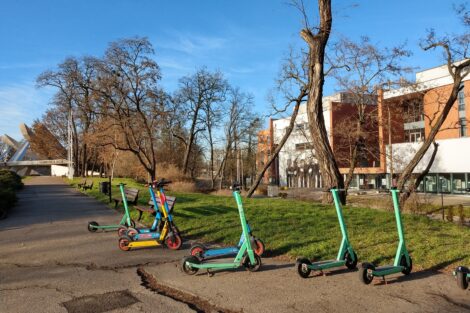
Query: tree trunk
(289, 129)
(190, 142)
(331, 176)
(405, 195)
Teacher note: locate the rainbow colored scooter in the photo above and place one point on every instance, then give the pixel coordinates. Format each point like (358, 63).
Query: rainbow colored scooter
(346, 254)
(402, 262)
(125, 220)
(162, 231)
(203, 253)
(245, 256)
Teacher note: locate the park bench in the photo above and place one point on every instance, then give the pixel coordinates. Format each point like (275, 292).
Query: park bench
(87, 186)
(82, 183)
(132, 195)
(150, 209)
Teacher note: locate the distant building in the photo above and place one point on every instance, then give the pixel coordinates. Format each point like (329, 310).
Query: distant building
(408, 113)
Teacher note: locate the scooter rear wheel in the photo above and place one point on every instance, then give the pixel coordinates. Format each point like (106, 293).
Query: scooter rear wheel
(124, 243)
(131, 232)
(188, 269)
(122, 230)
(302, 267)
(198, 250)
(365, 273)
(92, 226)
(173, 242)
(253, 267)
(462, 280)
(258, 247)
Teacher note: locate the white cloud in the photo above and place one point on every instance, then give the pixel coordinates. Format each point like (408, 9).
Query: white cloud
(21, 103)
(192, 44)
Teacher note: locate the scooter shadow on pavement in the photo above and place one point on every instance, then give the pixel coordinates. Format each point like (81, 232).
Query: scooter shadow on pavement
(423, 274)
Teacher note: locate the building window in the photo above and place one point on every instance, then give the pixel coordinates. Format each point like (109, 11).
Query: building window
(461, 98)
(463, 127)
(303, 146)
(414, 135)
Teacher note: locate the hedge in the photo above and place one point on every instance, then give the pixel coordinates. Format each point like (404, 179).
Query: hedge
(10, 182)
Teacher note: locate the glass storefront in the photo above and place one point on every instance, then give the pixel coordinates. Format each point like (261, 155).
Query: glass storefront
(459, 184)
(444, 183)
(430, 183)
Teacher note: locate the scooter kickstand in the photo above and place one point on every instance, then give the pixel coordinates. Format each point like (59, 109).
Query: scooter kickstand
(384, 280)
(209, 273)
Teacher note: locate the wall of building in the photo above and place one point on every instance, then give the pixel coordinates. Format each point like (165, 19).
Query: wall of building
(452, 156)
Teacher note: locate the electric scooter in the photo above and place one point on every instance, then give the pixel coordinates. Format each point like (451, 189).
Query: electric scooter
(156, 213)
(346, 255)
(462, 274)
(203, 253)
(163, 232)
(245, 256)
(402, 262)
(125, 221)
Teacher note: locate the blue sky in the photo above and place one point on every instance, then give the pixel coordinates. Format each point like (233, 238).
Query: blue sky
(246, 40)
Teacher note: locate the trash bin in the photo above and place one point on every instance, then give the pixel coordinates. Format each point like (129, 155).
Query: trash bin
(104, 187)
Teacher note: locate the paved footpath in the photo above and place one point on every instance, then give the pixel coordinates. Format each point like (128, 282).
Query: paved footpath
(49, 262)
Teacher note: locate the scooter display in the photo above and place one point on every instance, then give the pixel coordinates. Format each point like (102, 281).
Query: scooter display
(162, 231)
(125, 220)
(346, 255)
(244, 257)
(402, 262)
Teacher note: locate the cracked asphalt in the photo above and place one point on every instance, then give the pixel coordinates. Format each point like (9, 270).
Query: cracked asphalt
(49, 262)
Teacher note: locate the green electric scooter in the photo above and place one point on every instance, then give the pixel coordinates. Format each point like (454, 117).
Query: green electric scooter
(125, 221)
(402, 262)
(462, 274)
(245, 256)
(346, 254)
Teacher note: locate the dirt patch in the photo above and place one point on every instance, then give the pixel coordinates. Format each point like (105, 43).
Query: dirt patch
(100, 302)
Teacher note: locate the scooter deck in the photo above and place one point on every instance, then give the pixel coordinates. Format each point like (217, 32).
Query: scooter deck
(387, 270)
(321, 265)
(224, 263)
(146, 243)
(220, 253)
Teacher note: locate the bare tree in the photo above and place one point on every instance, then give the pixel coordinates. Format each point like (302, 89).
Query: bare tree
(196, 96)
(131, 99)
(361, 67)
(455, 48)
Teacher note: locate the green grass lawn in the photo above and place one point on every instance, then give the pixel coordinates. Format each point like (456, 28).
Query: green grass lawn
(297, 228)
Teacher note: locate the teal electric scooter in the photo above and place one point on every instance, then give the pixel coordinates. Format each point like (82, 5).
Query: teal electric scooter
(346, 254)
(125, 221)
(402, 262)
(245, 256)
(462, 274)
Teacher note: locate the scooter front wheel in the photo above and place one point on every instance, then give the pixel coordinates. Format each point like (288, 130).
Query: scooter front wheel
(351, 260)
(185, 267)
(124, 243)
(173, 242)
(253, 267)
(407, 268)
(131, 232)
(303, 268)
(92, 226)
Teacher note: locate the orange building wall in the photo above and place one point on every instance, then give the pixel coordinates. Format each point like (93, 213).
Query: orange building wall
(434, 101)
